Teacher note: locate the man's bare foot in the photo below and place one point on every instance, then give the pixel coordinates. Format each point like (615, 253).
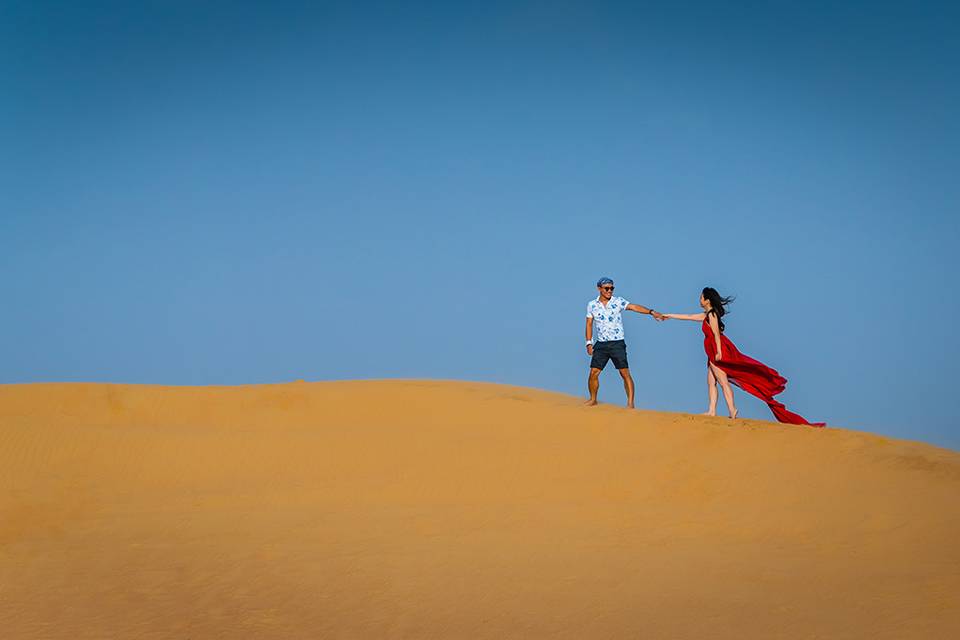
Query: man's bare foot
(590, 403)
(630, 405)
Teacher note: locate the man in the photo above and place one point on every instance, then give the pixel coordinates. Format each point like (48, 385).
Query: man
(604, 312)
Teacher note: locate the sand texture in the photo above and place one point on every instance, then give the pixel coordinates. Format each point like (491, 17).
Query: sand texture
(422, 509)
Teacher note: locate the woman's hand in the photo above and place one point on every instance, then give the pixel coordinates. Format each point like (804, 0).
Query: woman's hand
(718, 357)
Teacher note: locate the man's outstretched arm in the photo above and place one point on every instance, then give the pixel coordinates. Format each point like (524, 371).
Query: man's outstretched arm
(639, 308)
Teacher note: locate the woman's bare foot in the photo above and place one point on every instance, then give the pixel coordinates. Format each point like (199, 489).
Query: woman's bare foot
(712, 414)
(736, 412)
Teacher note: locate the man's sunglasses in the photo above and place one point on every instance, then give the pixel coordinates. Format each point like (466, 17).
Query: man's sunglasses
(607, 288)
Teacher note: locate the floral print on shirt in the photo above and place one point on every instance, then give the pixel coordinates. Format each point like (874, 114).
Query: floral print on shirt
(607, 320)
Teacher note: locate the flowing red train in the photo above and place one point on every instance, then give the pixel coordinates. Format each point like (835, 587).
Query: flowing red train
(751, 375)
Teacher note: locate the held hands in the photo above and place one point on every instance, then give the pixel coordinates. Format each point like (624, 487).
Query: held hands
(659, 317)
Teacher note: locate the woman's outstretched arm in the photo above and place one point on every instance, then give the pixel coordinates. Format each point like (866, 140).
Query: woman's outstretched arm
(686, 316)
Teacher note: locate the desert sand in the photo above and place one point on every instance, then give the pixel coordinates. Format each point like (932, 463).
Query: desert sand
(421, 509)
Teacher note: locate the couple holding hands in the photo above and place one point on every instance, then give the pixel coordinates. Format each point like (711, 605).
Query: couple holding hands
(726, 366)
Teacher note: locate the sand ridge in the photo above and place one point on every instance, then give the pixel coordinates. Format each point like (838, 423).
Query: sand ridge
(458, 510)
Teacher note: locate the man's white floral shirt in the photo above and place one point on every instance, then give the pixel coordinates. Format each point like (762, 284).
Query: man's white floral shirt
(607, 323)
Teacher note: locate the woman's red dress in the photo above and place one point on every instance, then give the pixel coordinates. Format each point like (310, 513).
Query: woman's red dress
(752, 376)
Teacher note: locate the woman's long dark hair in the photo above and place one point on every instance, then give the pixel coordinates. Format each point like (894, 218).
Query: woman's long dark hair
(718, 304)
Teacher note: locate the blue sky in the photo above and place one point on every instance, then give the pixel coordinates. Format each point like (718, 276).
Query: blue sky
(249, 192)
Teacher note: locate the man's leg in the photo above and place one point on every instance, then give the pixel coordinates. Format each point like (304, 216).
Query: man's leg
(627, 385)
(593, 384)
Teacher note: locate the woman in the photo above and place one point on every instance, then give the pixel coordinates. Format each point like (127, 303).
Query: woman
(725, 364)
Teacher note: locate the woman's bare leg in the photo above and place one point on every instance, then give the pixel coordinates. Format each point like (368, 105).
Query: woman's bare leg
(727, 389)
(711, 391)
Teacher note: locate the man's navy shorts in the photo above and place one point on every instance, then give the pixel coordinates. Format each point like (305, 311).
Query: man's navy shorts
(615, 350)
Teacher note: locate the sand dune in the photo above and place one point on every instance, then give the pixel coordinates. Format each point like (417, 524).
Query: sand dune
(451, 510)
